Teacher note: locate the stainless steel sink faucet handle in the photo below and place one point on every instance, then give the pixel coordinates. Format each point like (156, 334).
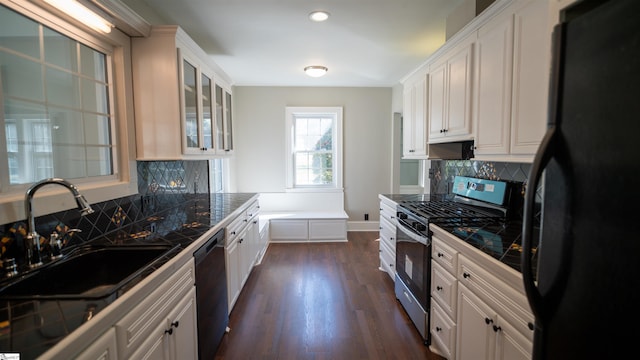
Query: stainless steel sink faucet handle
(32, 240)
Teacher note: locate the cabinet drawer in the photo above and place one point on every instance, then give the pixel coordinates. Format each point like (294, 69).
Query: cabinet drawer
(443, 332)
(444, 288)
(135, 327)
(388, 212)
(508, 302)
(388, 260)
(444, 255)
(387, 235)
(235, 227)
(253, 211)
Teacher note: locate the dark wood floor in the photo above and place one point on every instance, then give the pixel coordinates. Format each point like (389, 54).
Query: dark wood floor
(321, 301)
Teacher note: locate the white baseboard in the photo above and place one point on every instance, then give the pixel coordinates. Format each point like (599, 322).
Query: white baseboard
(363, 226)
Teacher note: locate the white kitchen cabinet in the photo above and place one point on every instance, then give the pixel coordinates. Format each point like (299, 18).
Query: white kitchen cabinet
(242, 249)
(444, 298)
(175, 96)
(414, 119)
(513, 69)
(449, 93)
(483, 334)
(493, 317)
(103, 348)
(388, 236)
(224, 120)
(494, 58)
(471, 292)
(163, 323)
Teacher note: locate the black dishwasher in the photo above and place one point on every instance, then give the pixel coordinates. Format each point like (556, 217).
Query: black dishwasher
(211, 295)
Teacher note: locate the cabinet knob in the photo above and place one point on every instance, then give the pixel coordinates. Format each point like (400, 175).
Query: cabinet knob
(440, 254)
(240, 241)
(438, 329)
(530, 326)
(175, 323)
(169, 331)
(488, 320)
(496, 328)
(466, 275)
(438, 288)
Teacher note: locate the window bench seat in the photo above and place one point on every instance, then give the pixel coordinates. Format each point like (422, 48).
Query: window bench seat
(304, 217)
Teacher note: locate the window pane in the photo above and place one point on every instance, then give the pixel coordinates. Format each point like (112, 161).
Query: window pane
(93, 64)
(99, 161)
(67, 126)
(94, 96)
(19, 33)
(97, 130)
(70, 161)
(313, 168)
(60, 50)
(62, 88)
(21, 77)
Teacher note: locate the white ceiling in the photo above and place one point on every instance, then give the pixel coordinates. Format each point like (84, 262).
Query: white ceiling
(269, 42)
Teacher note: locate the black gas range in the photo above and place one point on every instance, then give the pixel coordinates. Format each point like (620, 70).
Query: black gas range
(476, 210)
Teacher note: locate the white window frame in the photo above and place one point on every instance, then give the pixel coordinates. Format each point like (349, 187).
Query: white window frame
(334, 112)
(123, 182)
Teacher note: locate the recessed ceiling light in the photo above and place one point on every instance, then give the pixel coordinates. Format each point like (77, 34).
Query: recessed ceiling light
(319, 16)
(316, 70)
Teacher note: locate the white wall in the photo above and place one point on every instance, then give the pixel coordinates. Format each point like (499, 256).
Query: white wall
(259, 121)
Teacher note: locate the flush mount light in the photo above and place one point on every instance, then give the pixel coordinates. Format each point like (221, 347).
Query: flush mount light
(82, 14)
(316, 70)
(319, 16)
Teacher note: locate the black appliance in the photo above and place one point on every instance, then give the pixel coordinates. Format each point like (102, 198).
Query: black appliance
(474, 204)
(587, 293)
(211, 295)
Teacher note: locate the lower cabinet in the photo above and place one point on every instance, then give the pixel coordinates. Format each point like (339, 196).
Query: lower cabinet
(163, 325)
(483, 334)
(479, 309)
(103, 348)
(243, 247)
(388, 236)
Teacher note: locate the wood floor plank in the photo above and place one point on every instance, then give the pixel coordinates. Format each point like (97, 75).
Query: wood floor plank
(321, 301)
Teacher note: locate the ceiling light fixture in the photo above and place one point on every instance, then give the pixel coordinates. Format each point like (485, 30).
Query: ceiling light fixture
(319, 16)
(82, 14)
(316, 70)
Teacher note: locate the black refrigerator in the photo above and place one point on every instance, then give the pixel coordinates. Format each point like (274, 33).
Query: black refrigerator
(584, 188)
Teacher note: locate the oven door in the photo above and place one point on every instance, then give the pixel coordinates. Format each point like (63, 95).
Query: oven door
(413, 262)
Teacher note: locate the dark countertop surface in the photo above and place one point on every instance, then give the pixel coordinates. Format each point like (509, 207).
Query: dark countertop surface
(31, 327)
(500, 240)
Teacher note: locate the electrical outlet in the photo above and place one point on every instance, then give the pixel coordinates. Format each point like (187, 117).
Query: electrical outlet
(366, 217)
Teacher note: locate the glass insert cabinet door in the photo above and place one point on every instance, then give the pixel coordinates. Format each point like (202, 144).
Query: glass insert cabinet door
(224, 131)
(204, 111)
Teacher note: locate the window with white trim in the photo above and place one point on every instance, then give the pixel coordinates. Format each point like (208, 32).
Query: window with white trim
(314, 148)
(57, 103)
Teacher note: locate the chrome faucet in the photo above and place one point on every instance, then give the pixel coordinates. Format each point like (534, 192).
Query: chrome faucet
(32, 240)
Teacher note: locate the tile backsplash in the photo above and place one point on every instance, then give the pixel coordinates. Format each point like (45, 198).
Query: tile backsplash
(160, 184)
(443, 172)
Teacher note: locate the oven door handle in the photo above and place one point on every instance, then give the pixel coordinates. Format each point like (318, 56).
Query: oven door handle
(411, 233)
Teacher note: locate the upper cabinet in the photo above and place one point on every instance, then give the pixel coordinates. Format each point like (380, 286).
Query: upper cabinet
(513, 62)
(182, 107)
(414, 119)
(450, 85)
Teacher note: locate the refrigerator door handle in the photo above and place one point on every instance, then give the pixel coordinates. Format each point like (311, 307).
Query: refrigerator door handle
(542, 158)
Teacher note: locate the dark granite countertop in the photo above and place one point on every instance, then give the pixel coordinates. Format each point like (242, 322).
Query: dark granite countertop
(31, 327)
(501, 240)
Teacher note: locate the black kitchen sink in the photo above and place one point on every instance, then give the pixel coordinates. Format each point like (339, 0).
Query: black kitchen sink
(89, 274)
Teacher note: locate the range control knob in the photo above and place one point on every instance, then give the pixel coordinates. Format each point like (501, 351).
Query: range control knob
(420, 226)
(401, 215)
